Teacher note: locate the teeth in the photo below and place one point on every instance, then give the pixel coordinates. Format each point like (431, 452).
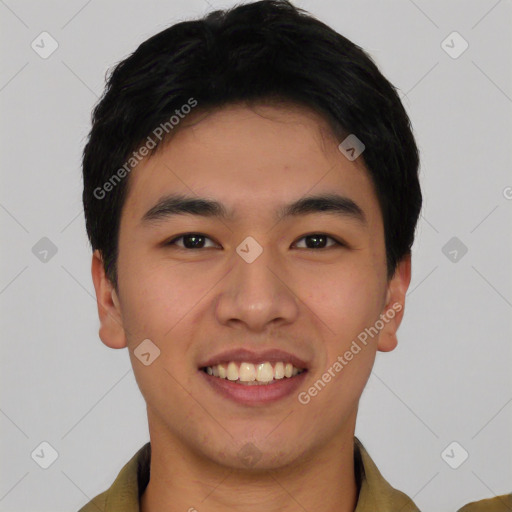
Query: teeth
(232, 372)
(248, 372)
(265, 372)
(279, 371)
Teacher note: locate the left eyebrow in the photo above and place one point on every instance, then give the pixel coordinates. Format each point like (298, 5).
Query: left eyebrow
(176, 204)
(326, 203)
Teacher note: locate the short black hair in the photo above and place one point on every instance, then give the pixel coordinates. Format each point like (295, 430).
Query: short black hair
(258, 52)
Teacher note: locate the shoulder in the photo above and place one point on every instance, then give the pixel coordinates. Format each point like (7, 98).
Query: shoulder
(97, 504)
(124, 493)
(501, 503)
(375, 492)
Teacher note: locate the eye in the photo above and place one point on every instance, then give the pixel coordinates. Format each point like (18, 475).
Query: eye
(197, 241)
(318, 241)
(190, 241)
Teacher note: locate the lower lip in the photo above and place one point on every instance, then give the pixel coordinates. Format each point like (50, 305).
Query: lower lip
(257, 394)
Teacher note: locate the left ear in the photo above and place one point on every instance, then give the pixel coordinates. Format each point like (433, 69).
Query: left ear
(393, 311)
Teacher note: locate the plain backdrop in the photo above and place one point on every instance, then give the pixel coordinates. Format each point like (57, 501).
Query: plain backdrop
(448, 381)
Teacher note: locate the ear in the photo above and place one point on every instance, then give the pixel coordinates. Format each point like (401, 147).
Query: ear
(393, 311)
(109, 311)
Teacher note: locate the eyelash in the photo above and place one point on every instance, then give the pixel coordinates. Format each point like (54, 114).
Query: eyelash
(336, 242)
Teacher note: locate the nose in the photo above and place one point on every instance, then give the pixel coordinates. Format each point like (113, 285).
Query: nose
(257, 294)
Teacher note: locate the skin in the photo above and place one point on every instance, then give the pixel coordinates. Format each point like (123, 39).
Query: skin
(195, 303)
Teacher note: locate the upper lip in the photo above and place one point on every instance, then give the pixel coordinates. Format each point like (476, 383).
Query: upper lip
(243, 355)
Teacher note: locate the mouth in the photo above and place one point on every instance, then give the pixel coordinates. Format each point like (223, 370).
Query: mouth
(254, 379)
(250, 374)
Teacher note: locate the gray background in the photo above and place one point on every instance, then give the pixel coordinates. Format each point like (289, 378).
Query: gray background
(448, 380)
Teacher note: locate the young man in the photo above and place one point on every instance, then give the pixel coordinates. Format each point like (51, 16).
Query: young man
(251, 194)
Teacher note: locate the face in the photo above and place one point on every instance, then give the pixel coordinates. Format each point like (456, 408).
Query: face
(204, 288)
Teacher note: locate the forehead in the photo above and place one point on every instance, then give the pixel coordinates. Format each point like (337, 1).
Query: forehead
(252, 159)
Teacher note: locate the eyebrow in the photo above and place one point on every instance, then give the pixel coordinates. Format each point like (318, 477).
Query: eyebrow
(176, 204)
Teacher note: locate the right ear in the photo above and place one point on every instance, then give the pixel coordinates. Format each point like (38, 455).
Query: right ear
(109, 311)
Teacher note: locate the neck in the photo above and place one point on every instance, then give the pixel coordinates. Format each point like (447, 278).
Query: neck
(183, 480)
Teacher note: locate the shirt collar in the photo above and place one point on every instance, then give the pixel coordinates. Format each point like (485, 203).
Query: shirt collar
(375, 493)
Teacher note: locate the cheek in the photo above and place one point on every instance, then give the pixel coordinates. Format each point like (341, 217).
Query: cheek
(158, 302)
(347, 300)
(155, 295)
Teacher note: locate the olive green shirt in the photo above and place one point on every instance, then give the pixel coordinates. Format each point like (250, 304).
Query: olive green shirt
(501, 503)
(375, 493)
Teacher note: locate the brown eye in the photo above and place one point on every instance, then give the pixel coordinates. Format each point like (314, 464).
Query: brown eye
(199, 241)
(319, 241)
(190, 241)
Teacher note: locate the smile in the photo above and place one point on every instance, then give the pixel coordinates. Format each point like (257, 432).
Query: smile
(253, 374)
